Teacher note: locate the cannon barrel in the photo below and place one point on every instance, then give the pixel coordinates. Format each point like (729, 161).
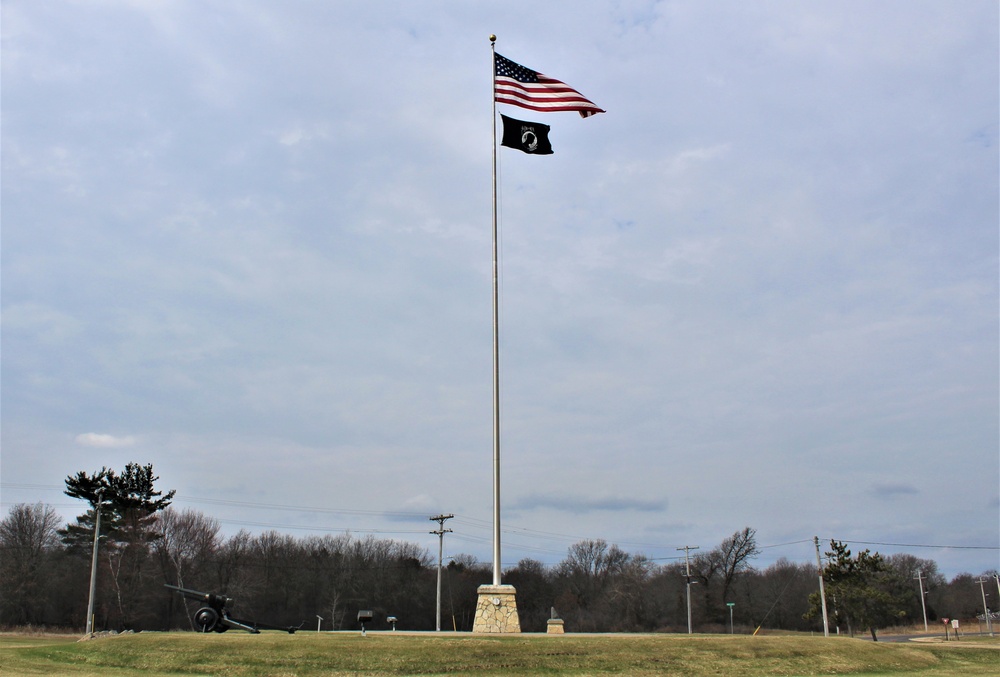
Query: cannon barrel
(209, 598)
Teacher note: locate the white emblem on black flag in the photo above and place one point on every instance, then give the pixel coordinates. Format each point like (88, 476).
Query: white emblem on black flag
(527, 137)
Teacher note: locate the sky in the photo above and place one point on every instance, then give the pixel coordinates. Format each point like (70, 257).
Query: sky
(250, 243)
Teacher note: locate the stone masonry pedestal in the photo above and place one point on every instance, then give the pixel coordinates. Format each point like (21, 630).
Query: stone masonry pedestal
(496, 610)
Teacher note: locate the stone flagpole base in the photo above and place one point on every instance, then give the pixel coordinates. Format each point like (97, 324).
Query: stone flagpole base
(496, 610)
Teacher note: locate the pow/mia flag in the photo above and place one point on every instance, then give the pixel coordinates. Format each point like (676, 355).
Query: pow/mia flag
(527, 137)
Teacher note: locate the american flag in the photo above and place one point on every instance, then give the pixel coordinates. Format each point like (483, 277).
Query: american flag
(520, 86)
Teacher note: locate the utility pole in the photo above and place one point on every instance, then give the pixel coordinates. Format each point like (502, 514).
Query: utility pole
(920, 581)
(986, 609)
(822, 590)
(440, 519)
(687, 576)
(93, 563)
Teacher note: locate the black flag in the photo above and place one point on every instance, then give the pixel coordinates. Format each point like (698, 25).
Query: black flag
(527, 137)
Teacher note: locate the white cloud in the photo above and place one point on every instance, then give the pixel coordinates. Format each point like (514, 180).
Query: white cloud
(104, 441)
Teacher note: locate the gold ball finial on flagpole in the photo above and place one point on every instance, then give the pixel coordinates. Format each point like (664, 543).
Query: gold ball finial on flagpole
(493, 38)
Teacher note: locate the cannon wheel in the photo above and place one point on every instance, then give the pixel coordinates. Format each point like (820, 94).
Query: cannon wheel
(207, 619)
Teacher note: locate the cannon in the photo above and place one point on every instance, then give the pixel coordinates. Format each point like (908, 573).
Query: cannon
(213, 614)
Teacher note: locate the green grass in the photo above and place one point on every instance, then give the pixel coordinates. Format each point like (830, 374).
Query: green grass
(304, 654)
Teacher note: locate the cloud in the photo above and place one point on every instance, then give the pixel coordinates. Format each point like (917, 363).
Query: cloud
(891, 490)
(104, 441)
(40, 323)
(579, 504)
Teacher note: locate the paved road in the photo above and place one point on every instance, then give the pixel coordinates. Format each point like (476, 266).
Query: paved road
(922, 638)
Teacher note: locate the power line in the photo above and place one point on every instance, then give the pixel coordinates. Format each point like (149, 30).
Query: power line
(916, 545)
(297, 527)
(781, 545)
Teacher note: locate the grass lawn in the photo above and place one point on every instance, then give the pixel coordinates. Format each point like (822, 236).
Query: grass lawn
(275, 654)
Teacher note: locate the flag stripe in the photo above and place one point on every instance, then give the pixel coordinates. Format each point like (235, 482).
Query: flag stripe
(545, 100)
(517, 89)
(554, 106)
(520, 86)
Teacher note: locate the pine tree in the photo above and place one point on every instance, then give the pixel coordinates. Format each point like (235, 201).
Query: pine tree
(129, 505)
(860, 589)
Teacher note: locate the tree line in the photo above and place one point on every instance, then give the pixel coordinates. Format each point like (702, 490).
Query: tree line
(279, 579)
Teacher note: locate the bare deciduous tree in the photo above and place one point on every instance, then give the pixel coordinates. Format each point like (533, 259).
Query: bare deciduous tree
(736, 553)
(188, 540)
(718, 568)
(27, 538)
(187, 545)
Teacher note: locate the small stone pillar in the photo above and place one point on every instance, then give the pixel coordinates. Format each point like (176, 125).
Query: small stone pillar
(496, 610)
(556, 626)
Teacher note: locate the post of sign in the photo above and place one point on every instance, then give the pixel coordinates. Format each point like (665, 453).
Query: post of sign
(730, 605)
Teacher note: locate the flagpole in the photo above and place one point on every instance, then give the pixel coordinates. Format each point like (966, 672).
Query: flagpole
(496, 608)
(496, 338)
